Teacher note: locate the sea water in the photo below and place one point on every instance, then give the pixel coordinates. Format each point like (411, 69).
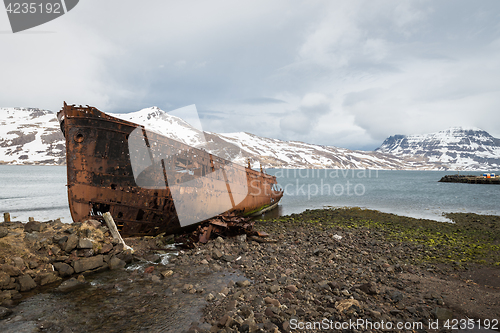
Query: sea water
(34, 191)
(410, 193)
(40, 192)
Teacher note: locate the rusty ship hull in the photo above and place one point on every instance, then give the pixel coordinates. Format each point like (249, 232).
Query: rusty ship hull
(179, 186)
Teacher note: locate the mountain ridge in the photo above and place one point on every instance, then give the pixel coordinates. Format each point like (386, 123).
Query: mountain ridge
(32, 136)
(458, 147)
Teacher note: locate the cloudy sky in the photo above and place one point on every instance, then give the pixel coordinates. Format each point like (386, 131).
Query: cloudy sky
(340, 73)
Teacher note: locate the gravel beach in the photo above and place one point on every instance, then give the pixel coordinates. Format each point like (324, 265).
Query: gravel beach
(350, 270)
(342, 266)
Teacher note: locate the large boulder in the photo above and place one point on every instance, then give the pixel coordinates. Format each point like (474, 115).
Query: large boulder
(35, 226)
(59, 239)
(11, 270)
(48, 278)
(92, 223)
(86, 264)
(4, 279)
(84, 243)
(26, 282)
(106, 248)
(19, 262)
(116, 263)
(70, 285)
(70, 243)
(63, 269)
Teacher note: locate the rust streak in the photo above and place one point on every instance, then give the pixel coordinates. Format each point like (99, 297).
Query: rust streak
(101, 178)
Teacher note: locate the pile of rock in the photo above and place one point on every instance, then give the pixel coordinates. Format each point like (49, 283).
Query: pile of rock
(305, 274)
(41, 253)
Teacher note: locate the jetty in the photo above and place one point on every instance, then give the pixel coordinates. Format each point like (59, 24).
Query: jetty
(471, 179)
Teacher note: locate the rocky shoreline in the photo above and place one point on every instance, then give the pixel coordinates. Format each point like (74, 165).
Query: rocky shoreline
(343, 266)
(36, 254)
(324, 267)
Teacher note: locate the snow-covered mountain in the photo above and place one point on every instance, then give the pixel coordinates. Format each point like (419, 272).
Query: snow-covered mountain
(295, 154)
(240, 147)
(32, 136)
(161, 122)
(457, 148)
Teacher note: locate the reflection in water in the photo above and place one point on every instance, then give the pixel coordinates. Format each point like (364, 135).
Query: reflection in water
(123, 301)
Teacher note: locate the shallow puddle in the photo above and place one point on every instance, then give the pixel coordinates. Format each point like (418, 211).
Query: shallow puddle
(122, 301)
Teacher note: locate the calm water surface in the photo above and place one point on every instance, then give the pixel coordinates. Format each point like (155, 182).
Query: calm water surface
(37, 191)
(410, 193)
(40, 192)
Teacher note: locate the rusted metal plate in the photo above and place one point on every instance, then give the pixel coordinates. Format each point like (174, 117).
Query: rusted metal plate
(101, 178)
(205, 234)
(224, 225)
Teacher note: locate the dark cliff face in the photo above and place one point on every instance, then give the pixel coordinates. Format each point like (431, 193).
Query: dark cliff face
(37, 113)
(454, 147)
(391, 143)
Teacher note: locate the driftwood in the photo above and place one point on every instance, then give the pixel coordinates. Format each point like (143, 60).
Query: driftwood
(114, 230)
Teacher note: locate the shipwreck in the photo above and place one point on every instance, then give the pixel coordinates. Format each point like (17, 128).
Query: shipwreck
(149, 183)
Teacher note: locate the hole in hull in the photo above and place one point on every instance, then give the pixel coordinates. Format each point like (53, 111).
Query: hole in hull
(98, 209)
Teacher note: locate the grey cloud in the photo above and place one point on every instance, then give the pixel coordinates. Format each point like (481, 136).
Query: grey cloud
(296, 123)
(355, 97)
(262, 100)
(383, 66)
